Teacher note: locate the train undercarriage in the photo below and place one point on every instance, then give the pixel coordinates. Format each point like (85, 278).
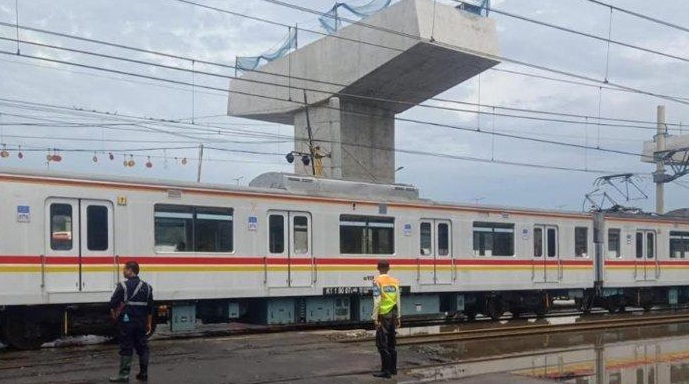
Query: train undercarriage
(28, 327)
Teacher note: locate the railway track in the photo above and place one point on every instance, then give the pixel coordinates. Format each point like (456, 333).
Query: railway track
(533, 329)
(100, 355)
(215, 333)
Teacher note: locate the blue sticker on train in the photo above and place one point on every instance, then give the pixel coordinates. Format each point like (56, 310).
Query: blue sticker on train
(23, 214)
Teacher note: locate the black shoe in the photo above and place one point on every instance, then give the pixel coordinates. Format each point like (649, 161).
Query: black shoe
(393, 372)
(383, 374)
(142, 377)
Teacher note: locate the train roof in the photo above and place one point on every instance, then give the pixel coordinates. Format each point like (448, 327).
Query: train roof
(269, 183)
(276, 183)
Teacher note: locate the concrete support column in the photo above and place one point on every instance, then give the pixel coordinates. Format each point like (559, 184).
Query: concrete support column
(357, 140)
(326, 130)
(368, 143)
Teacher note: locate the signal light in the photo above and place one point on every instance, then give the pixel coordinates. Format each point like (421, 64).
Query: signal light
(290, 158)
(306, 160)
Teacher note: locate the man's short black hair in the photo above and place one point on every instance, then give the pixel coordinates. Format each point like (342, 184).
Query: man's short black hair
(133, 265)
(383, 264)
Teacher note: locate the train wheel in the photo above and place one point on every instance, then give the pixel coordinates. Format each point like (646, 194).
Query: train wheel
(22, 333)
(613, 305)
(470, 315)
(541, 311)
(494, 308)
(585, 303)
(647, 306)
(515, 313)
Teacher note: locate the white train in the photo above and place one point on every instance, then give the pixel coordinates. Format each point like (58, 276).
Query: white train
(293, 249)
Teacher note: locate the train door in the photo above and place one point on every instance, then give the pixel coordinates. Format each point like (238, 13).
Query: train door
(546, 267)
(290, 260)
(300, 257)
(435, 261)
(97, 261)
(79, 252)
(645, 262)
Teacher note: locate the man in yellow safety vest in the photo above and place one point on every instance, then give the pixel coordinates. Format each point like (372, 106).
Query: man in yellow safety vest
(386, 317)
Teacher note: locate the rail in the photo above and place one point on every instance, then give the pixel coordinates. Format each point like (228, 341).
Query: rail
(527, 330)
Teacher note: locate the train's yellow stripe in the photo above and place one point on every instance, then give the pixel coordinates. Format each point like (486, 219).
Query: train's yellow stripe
(262, 268)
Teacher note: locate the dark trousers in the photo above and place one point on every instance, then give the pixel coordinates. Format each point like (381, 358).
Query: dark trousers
(386, 340)
(132, 336)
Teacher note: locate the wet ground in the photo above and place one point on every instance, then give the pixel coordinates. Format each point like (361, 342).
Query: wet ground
(649, 355)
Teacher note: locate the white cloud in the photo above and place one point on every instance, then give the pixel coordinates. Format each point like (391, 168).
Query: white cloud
(177, 28)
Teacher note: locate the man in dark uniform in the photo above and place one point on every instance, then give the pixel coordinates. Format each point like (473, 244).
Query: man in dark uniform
(131, 306)
(386, 317)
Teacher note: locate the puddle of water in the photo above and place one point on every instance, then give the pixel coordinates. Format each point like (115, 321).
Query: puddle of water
(657, 355)
(76, 341)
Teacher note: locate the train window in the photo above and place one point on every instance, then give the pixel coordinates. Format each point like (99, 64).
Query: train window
(581, 241)
(679, 244)
(538, 242)
(614, 243)
(426, 239)
(300, 227)
(443, 239)
(367, 235)
(174, 228)
(552, 242)
(650, 245)
(193, 229)
(97, 228)
(493, 239)
(276, 233)
(61, 227)
(213, 230)
(639, 245)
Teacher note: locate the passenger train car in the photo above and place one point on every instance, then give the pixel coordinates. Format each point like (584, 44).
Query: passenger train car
(290, 249)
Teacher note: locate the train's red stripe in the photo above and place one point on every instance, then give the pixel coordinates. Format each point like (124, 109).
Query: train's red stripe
(232, 260)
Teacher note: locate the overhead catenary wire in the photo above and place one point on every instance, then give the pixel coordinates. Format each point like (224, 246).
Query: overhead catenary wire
(111, 140)
(130, 152)
(641, 16)
(479, 111)
(279, 99)
(449, 156)
(228, 66)
(584, 34)
(496, 57)
(435, 124)
(492, 107)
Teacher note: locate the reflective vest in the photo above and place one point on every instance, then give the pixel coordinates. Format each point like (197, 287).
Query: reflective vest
(388, 288)
(141, 299)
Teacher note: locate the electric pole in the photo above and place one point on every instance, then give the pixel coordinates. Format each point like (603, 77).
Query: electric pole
(198, 171)
(660, 164)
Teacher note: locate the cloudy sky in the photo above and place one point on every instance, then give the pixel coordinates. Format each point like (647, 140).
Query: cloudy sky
(123, 114)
